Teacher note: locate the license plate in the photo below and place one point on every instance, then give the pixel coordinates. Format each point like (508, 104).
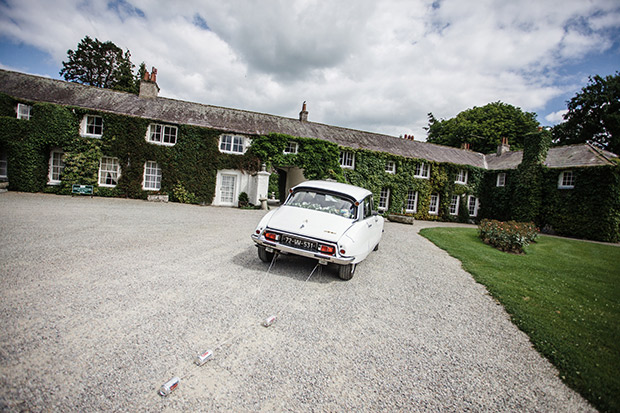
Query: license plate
(298, 243)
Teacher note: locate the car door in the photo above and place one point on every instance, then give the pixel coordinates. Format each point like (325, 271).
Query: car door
(374, 223)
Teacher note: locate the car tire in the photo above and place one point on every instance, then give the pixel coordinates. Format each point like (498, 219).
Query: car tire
(264, 255)
(345, 272)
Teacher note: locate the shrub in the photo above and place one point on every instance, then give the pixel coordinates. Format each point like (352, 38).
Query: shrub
(508, 236)
(244, 200)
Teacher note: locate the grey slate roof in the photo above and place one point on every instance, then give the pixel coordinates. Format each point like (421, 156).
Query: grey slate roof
(569, 156)
(41, 89)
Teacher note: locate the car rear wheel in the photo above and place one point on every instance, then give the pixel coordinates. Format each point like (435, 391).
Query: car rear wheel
(345, 272)
(264, 255)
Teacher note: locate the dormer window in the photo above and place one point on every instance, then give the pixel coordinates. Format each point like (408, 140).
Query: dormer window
(390, 167)
(91, 126)
(162, 134)
(461, 177)
(232, 144)
(422, 170)
(24, 111)
(291, 148)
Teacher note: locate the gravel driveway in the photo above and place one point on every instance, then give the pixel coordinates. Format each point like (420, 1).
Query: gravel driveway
(104, 300)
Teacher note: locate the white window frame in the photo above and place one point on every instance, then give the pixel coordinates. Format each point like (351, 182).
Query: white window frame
(390, 167)
(233, 144)
(158, 133)
(108, 161)
(469, 205)
(154, 181)
(56, 166)
(347, 160)
(384, 199)
(409, 201)
(291, 148)
(24, 111)
(3, 165)
(433, 207)
(422, 170)
(84, 126)
(501, 179)
(566, 180)
(454, 204)
(461, 177)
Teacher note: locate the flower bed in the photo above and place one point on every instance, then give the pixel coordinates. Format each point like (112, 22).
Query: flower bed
(508, 236)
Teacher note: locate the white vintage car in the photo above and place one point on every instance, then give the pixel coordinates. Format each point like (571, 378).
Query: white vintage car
(327, 221)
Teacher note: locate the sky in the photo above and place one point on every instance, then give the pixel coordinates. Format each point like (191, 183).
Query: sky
(374, 65)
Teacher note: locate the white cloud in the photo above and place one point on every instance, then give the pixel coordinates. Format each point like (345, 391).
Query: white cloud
(556, 117)
(365, 65)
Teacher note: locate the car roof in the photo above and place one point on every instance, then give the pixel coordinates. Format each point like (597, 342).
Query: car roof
(353, 191)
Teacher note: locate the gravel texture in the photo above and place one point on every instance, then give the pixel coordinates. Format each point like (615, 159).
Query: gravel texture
(104, 300)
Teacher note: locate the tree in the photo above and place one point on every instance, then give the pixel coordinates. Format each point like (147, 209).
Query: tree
(100, 64)
(593, 115)
(483, 127)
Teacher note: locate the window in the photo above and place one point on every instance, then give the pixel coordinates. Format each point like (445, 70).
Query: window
(57, 164)
(384, 198)
(24, 111)
(92, 126)
(390, 167)
(567, 180)
(454, 205)
(3, 165)
(433, 208)
(152, 176)
(162, 134)
(347, 160)
(461, 177)
(109, 171)
(232, 144)
(422, 171)
(501, 179)
(472, 206)
(291, 148)
(368, 207)
(412, 202)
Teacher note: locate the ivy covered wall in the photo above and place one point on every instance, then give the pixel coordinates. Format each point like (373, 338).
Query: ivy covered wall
(189, 170)
(320, 160)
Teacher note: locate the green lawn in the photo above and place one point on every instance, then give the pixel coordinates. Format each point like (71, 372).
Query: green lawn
(565, 294)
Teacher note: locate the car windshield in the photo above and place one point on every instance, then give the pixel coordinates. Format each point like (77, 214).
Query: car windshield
(318, 201)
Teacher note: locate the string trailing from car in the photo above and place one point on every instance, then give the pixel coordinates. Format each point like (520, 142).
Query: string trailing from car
(207, 355)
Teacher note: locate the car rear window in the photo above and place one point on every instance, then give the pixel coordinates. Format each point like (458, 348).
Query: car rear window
(320, 201)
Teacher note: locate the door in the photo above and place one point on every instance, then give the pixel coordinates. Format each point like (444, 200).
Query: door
(227, 189)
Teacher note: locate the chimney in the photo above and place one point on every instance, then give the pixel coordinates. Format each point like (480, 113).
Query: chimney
(466, 146)
(148, 85)
(303, 115)
(409, 137)
(503, 147)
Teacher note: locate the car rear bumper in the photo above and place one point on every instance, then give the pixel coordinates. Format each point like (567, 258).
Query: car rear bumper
(323, 258)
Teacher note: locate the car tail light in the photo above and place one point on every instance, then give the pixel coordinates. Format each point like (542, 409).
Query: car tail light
(343, 252)
(271, 236)
(327, 249)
